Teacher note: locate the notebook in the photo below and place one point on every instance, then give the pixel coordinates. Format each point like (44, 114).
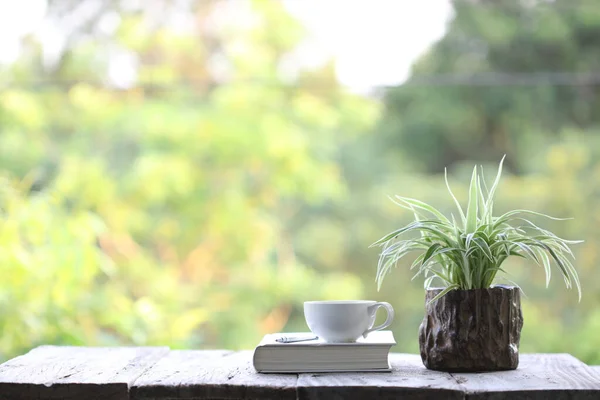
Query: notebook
(366, 355)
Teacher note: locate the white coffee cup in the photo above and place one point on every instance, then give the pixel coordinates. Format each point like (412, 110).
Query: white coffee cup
(344, 321)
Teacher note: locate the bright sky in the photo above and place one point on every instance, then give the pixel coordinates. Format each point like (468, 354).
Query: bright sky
(374, 42)
(18, 18)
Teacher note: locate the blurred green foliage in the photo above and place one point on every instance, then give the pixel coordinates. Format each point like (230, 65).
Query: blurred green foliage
(203, 205)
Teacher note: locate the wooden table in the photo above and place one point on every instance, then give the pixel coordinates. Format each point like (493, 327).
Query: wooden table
(144, 373)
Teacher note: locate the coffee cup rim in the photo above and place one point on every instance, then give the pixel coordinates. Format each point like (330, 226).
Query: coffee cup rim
(325, 302)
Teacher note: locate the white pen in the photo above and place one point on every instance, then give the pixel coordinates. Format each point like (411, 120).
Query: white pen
(293, 339)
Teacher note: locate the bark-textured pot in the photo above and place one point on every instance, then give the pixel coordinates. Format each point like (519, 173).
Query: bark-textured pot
(472, 330)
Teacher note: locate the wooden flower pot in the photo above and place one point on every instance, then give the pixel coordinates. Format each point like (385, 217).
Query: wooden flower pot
(472, 330)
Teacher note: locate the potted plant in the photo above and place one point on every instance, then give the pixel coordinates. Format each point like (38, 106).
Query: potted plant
(471, 324)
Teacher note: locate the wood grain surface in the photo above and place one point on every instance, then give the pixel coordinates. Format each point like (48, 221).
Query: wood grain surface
(211, 375)
(409, 379)
(151, 373)
(52, 372)
(539, 376)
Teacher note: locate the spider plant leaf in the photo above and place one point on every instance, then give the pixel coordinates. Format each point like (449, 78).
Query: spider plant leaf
(430, 251)
(483, 183)
(573, 272)
(442, 294)
(460, 211)
(415, 276)
(482, 228)
(506, 217)
(417, 261)
(427, 282)
(466, 271)
(387, 250)
(468, 239)
(454, 255)
(419, 217)
(472, 205)
(423, 206)
(393, 258)
(400, 204)
(442, 276)
(483, 213)
(482, 234)
(439, 251)
(386, 268)
(546, 264)
(381, 272)
(440, 235)
(382, 268)
(480, 243)
(564, 268)
(495, 185)
(455, 227)
(528, 250)
(502, 238)
(425, 270)
(395, 233)
(490, 275)
(555, 242)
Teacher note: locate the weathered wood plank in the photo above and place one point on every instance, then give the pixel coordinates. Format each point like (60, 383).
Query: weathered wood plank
(539, 376)
(194, 375)
(60, 372)
(409, 379)
(51, 372)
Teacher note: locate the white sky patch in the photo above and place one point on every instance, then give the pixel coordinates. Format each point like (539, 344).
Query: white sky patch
(109, 22)
(53, 42)
(374, 42)
(17, 19)
(122, 69)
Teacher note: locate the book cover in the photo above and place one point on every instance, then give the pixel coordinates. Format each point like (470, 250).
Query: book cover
(368, 354)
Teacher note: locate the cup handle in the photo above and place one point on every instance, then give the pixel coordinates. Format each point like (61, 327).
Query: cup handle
(388, 321)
